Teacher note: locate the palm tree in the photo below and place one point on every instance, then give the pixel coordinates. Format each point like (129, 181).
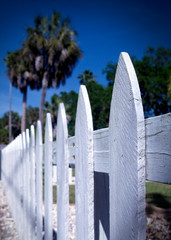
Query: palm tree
(86, 76)
(20, 74)
(54, 52)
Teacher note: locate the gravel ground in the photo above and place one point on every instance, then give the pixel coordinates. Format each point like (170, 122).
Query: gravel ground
(7, 225)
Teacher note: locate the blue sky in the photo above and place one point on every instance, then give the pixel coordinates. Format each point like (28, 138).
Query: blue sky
(105, 28)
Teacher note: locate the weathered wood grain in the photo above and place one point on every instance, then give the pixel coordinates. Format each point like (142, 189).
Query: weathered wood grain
(84, 169)
(158, 148)
(158, 145)
(126, 156)
(48, 179)
(62, 175)
(39, 186)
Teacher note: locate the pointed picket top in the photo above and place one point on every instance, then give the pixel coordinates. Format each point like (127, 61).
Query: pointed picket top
(23, 140)
(84, 168)
(32, 136)
(39, 133)
(62, 174)
(48, 128)
(39, 194)
(27, 138)
(48, 178)
(127, 155)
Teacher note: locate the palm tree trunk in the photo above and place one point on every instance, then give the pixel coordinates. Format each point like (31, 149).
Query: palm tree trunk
(10, 127)
(23, 120)
(43, 96)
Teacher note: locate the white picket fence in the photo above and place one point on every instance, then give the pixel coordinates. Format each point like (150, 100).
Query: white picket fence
(111, 166)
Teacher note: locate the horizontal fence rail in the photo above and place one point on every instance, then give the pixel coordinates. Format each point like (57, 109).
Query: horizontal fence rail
(111, 166)
(158, 149)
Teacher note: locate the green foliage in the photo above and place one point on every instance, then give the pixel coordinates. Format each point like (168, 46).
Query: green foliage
(100, 98)
(32, 115)
(86, 76)
(154, 75)
(169, 89)
(4, 136)
(4, 126)
(110, 71)
(70, 101)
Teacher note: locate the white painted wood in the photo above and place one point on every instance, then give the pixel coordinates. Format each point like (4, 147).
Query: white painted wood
(48, 178)
(32, 182)
(62, 175)
(27, 177)
(101, 159)
(84, 168)
(126, 155)
(158, 148)
(24, 232)
(16, 188)
(20, 186)
(39, 186)
(157, 143)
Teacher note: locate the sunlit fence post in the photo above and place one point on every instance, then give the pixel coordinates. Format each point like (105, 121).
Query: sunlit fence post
(48, 179)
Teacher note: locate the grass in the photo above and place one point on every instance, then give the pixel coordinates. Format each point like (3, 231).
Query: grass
(71, 194)
(158, 194)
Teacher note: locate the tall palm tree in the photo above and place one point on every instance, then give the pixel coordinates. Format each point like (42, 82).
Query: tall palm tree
(52, 47)
(20, 74)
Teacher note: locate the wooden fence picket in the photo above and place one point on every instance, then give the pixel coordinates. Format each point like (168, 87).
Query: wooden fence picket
(62, 175)
(48, 179)
(39, 185)
(16, 177)
(20, 186)
(24, 232)
(32, 182)
(84, 171)
(28, 213)
(127, 155)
